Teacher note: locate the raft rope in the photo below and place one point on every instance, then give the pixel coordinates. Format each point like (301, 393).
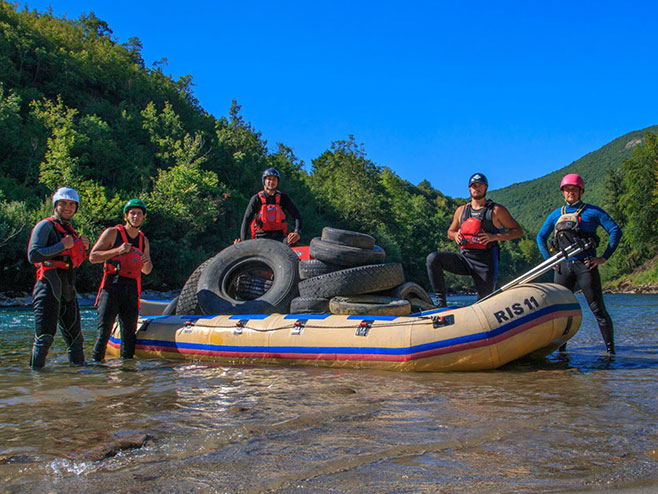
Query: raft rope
(380, 324)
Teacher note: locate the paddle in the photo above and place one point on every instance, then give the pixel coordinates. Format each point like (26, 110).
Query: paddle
(575, 248)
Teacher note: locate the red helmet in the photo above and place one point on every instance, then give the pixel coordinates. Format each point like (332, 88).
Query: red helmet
(573, 179)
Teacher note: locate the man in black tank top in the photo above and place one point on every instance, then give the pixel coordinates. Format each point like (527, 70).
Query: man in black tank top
(121, 286)
(487, 223)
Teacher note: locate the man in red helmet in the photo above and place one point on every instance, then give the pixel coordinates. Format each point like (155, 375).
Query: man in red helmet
(477, 227)
(265, 214)
(577, 221)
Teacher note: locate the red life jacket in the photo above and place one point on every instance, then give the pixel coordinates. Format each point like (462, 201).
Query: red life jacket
(67, 259)
(271, 217)
(472, 226)
(126, 265)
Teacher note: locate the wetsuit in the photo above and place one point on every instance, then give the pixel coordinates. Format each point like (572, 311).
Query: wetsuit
(480, 264)
(118, 297)
(574, 270)
(254, 207)
(54, 299)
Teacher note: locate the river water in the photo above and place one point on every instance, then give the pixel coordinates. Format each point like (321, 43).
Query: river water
(576, 422)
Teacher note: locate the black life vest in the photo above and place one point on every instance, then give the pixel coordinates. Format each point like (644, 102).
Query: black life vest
(128, 264)
(567, 230)
(473, 222)
(67, 259)
(270, 217)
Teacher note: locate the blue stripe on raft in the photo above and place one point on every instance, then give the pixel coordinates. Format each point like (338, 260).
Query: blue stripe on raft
(359, 350)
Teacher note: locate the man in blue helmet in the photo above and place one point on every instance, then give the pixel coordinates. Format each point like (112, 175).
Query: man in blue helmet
(125, 254)
(476, 227)
(57, 250)
(265, 216)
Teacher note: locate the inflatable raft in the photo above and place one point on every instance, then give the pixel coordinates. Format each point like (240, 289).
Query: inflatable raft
(530, 319)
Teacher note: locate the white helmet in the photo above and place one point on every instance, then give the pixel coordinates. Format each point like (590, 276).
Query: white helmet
(66, 194)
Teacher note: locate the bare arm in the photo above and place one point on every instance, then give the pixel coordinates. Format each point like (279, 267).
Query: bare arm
(502, 219)
(453, 230)
(102, 250)
(147, 265)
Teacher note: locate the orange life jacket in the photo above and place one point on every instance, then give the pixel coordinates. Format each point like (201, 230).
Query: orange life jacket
(67, 259)
(126, 265)
(271, 217)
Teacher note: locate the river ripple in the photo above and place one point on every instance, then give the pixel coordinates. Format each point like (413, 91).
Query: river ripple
(573, 422)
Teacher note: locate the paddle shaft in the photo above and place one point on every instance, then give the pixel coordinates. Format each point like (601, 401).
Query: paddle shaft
(547, 265)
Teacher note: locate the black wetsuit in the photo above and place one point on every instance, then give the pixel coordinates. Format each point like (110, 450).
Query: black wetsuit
(575, 270)
(54, 299)
(480, 264)
(254, 207)
(119, 297)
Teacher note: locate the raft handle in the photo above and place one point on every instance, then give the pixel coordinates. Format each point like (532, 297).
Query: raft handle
(239, 325)
(441, 321)
(298, 326)
(364, 327)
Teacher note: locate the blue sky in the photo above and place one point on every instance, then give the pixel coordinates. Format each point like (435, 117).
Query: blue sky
(434, 90)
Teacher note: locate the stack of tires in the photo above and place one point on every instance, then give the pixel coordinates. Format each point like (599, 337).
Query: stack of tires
(349, 276)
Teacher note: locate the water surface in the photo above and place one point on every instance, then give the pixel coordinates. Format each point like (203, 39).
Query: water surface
(573, 422)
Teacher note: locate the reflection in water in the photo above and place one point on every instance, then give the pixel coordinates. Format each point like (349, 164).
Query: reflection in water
(575, 421)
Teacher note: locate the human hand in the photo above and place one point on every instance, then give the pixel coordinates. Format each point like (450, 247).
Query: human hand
(459, 238)
(237, 240)
(125, 247)
(85, 242)
(484, 238)
(67, 241)
(293, 237)
(591, 262)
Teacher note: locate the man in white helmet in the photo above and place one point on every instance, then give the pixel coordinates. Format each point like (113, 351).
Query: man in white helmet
(57, 250)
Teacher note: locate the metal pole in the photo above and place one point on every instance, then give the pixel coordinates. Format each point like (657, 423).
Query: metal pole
(547, 265)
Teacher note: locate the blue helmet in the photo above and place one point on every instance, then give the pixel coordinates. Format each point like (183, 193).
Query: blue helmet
(271, 172)
(66, 194)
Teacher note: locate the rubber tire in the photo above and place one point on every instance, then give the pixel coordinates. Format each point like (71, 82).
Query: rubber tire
(418, 305)
(372, 305)
(409, 290)
(303, 305)
(353, 281)
(344, 255)
(346, 237)
(187, 300)
(239, 259)
(170, 310)
(251, 288)
(315, 267)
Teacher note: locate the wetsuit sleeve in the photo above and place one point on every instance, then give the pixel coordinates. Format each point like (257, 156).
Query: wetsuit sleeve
(38, 249)
(545, 232)
(289, 207)
(613, 230)
(249, 214)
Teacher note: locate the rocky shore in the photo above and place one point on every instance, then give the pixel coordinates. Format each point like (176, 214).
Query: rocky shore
(24, 299)
(626, 286)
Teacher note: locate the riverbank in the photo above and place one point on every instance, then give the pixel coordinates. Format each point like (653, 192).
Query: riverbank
(24, 299)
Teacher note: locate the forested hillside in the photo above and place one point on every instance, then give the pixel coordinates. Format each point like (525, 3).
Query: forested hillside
(79, 107)
(530, 202)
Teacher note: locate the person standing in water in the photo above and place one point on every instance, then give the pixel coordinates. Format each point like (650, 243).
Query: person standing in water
(125, 254)
(57, 250)
(577, 221)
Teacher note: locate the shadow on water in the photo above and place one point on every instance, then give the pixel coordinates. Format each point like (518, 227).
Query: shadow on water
(589, 360)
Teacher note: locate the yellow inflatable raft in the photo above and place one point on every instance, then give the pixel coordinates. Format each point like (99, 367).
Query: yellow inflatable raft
(534, 318)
